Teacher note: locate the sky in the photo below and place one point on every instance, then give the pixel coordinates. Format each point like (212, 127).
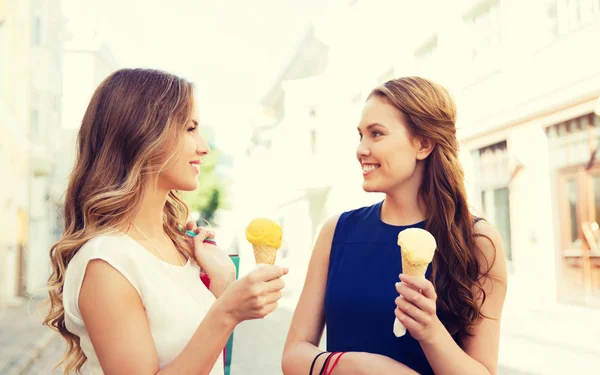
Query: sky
(233, 50)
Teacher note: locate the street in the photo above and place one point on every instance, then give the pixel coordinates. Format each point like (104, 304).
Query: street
(559, 341)
(47, 359)
(21, 335)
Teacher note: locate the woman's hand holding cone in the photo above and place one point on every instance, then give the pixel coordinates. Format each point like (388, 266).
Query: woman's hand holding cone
(416, 307)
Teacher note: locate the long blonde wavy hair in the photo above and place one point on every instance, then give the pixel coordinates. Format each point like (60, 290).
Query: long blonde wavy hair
(127, 136)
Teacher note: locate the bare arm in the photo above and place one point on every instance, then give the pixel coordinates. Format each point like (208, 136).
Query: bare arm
(308, 322)
(480, 354)
(224, 278)
(116, 321)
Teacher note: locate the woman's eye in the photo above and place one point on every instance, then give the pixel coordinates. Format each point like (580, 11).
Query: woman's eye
(194, 126)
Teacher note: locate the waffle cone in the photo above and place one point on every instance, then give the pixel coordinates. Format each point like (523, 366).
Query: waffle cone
(412, 269)
(264, 254)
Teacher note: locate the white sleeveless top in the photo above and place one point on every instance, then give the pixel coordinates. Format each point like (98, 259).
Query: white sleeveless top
(172, 296)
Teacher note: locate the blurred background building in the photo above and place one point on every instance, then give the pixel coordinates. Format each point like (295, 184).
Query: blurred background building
(526, 82)
(31, 40)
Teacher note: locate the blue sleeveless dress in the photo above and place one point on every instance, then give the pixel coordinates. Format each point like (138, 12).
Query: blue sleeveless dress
(359, 299)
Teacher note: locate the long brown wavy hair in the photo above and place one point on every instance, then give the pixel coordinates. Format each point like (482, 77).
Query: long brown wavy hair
(456, 270)
(127, 136)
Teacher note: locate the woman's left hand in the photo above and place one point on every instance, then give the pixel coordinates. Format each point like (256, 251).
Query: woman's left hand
(215, 261)
(416, 308)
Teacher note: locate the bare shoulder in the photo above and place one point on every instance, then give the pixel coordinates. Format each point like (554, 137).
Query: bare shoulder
(103, 283)
(106, 263)
(325, 238)
(99, 270)
(491, 250)
(328, 228)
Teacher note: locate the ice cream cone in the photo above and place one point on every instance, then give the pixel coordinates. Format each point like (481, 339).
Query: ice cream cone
(265, 236)
(413, 269)
(417, 247)
(264, 254)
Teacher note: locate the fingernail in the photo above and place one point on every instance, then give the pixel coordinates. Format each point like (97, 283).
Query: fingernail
(397, 285)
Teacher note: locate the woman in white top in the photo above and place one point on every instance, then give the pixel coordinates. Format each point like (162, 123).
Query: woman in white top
(125, 291)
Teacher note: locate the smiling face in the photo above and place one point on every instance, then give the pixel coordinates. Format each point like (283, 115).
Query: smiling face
(387, 152)
(182, 172)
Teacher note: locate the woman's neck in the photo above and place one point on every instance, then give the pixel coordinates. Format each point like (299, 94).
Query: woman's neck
(403, 211)
(149, 219)
(404, 205)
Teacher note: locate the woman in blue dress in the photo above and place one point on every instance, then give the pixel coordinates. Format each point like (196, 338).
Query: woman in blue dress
(408, 150)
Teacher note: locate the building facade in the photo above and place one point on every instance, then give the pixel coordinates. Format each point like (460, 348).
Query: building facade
(31, 36)
(526, 82)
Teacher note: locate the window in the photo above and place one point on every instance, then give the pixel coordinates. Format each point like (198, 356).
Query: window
(36, 33)
(569, 141)
(496, 206)
(484, 26)
(579, 187)
(596, 188)
(493, 179)
(548, 29)
(572, 202)
(579, 204)
(36, 22)
(572, 14)
(578, 197)
(588, 9)
(493, 165)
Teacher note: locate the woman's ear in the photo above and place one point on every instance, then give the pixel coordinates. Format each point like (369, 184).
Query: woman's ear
(426, 146)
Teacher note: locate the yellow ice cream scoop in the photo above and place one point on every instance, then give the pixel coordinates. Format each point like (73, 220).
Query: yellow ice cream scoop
(265, 236)
(417, 246)
(263, 231)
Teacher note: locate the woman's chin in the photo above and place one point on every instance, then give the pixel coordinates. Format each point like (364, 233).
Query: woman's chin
(370, 187)
(189, 186)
